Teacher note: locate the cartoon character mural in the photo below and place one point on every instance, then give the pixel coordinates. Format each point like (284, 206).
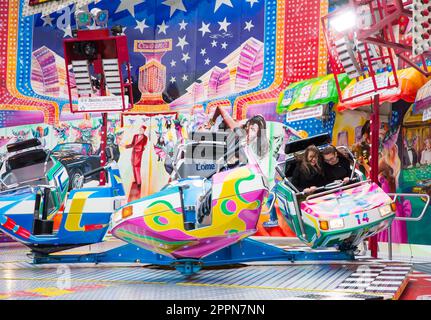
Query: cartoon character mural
(159, 147)
(87, 131)
(62, 132)
(41, 134)
(20, 135)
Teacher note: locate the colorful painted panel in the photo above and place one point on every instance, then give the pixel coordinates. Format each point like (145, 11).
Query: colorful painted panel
(158, 221)
(341, 203)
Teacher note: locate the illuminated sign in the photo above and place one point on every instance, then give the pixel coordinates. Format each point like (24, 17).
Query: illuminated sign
(36, 2)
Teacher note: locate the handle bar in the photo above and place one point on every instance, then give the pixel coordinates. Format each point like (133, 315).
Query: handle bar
(416, 195)
(337, 189)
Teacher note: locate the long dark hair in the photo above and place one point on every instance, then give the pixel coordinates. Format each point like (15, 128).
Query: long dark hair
(305, 166)
(262, 143)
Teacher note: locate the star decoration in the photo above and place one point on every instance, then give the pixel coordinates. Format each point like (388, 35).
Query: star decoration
(252, 2)
(205, 28)
(214, 44)
(182, 42)
(248, 25)
(203, 51)
(129, 5)
(224, 45)
(221, 2)
(183, 25)
(173, 63)
(207, 61)
(67, 31)
(185, 57)
(175, 5)
(173, 79)
(223, 24)
(47, 20)
(162, 27)
(185, 78)
(141, 25)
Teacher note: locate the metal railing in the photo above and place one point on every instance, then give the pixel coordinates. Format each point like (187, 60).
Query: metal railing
(418, 218)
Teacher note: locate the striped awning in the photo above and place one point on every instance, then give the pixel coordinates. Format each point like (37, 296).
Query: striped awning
(409, 82)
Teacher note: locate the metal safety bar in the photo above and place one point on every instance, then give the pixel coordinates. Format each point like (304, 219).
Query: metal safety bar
(418, 218)
(414, 195)
(348, 186)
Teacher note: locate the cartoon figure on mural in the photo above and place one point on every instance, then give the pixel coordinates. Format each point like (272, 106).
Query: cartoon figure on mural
(85, 131)
(159, 147)
(178, 130)
(410, 155)
(20, 135)
(41, 134)
(426, 152)
(138, 144)
(62, 132)
(168, 122)
(159, 125)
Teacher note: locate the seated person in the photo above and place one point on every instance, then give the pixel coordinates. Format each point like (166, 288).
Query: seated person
(308, 174)
(335, 165)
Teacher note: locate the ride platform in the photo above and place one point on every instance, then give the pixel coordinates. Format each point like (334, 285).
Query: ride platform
(359, 279)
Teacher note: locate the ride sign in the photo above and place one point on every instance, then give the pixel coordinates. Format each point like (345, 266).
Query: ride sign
(305, 113)
(102, 103)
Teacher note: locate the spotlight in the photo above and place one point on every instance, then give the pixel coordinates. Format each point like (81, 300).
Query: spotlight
(343, 21)
(100, 17)
(83, 18)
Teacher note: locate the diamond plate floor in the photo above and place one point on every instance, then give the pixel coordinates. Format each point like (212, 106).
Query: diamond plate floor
(362, 279)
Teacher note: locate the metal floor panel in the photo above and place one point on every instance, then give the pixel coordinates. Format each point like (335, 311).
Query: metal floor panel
(362, 279)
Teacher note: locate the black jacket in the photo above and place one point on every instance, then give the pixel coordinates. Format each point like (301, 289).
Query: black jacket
(301, 180)
(338, 171)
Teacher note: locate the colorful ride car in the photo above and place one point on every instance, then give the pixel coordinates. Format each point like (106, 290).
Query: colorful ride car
(35, 192)
(196, 216)
(336, 215)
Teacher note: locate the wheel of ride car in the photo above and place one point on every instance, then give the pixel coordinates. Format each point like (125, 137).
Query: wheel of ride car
(76, 179)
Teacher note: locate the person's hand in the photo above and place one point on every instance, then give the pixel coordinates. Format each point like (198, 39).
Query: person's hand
(310, 190)
(346, 180)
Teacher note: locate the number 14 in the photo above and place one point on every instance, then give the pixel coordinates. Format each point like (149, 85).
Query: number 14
(364, 218)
